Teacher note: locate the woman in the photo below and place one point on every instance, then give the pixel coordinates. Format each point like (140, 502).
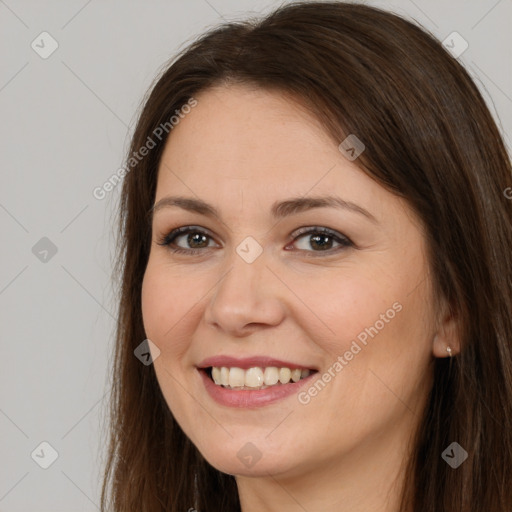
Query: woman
(314, 258)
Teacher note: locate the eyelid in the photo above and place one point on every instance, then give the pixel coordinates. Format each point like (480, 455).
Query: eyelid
(171, 235)
(319, 229)
(343, 241)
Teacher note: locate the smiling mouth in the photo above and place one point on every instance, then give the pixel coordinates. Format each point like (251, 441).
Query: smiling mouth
(255, 378)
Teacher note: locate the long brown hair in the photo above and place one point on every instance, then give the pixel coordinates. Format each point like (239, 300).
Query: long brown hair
(430, 139)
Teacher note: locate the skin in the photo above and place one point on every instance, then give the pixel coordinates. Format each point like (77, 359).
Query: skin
(240, 150)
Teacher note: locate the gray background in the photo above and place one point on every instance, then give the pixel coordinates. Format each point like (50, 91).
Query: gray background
(66, 122)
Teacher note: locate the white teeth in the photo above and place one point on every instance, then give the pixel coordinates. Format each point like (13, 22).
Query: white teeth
(271, 375)
(216, 375)
(295, 374)
(285, 375)
(236, 377)
(256, 377)
(224, 376)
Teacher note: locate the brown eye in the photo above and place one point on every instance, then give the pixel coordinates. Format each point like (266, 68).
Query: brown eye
(321, 240)
(187, 239)
(195, 240)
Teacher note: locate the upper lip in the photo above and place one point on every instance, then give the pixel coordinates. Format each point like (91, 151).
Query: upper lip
(249, 362)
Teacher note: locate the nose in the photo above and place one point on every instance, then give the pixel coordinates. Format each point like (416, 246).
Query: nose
(247, 298)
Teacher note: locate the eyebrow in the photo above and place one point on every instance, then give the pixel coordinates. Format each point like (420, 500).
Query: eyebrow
(279, 210)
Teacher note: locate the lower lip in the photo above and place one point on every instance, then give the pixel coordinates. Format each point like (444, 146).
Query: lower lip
(247, 398)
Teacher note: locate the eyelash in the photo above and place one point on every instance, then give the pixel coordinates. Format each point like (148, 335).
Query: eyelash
(344, 241)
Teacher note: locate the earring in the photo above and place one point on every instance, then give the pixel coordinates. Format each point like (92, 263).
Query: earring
(449, 350)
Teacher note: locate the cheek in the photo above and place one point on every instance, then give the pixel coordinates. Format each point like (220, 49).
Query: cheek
(381, 333)
(341, 308)
(377, 321)
(167, 306)
(168, 316)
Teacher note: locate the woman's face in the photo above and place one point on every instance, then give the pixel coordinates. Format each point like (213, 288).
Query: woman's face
(280, 278)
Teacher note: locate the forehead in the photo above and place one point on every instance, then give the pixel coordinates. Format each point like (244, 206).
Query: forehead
(241, 134)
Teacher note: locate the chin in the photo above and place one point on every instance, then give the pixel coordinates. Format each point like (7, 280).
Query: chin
(242, 457)
(257, 468)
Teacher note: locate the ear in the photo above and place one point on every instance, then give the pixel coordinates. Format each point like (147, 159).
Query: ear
(447, 334)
